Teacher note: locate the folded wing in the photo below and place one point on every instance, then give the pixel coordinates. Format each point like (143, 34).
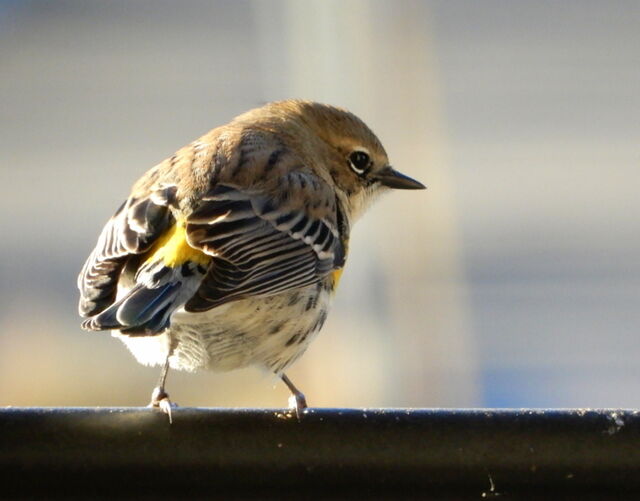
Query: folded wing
(263, 245)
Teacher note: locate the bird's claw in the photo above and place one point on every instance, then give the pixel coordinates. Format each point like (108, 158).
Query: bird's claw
(298, 404)
(160, 400)
(165, 405)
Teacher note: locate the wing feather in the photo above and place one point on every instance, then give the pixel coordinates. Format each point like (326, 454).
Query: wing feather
(131, 230)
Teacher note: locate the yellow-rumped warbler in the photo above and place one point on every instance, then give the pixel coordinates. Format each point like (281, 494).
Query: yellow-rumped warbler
(228, 253)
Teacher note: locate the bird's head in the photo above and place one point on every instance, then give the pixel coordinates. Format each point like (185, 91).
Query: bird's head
(338, 146)
(357, 162)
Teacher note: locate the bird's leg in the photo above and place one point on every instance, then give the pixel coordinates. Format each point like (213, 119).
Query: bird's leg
(159, 397)
(297, 401)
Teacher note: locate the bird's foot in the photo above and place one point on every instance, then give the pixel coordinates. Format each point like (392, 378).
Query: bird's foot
(298, 403)
(160, 400)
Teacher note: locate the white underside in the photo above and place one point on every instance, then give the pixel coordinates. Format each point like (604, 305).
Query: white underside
(252, 331)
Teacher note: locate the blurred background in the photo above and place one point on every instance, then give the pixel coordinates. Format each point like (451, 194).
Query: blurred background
(513, 281)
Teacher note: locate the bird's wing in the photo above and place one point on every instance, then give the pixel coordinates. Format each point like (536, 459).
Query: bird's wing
(264, 244)
(132, 230)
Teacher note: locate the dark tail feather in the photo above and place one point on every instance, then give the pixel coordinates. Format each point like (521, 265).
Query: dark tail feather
(143, 311)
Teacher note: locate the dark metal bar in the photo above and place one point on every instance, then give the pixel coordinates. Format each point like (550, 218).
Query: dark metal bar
(226, 453)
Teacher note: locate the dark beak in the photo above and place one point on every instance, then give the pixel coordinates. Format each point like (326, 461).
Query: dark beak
(394, 179)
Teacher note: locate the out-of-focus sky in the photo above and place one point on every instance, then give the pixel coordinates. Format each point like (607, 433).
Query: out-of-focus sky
(513, 281)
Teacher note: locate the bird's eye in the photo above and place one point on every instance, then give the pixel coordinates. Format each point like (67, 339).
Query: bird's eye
(360, 162)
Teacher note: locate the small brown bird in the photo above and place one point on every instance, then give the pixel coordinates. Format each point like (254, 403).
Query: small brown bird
(228, 253)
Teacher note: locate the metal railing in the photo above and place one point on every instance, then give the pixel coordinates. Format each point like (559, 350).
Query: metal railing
(267, 453)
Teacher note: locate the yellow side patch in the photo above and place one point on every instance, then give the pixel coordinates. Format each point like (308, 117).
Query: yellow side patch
(336, 275)
(174, 250)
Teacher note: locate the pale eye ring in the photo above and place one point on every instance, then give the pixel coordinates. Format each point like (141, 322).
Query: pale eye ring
(359, 161)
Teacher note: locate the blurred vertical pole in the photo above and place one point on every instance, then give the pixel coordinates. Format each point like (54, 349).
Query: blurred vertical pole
(406, 284)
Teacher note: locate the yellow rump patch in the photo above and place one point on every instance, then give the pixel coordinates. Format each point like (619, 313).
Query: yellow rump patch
(174, 250)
